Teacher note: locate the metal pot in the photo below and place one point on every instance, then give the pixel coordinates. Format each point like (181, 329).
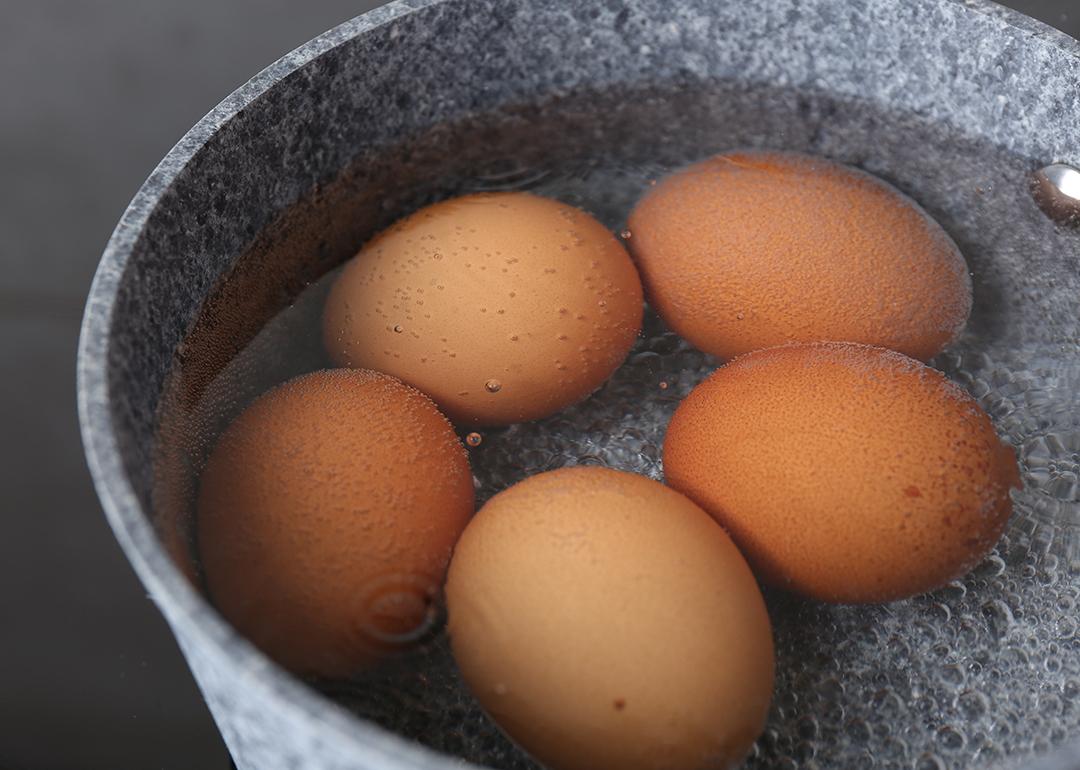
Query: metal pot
(957, 102)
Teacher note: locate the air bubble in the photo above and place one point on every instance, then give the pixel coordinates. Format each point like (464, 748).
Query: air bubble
(950, 739)
(930, 762)
(973, 705)
(953, 674)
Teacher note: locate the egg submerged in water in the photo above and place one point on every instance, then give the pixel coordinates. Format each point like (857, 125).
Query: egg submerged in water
(748, 250)
(606, 622)
(844, 472)
(503, 307)
(326, 516)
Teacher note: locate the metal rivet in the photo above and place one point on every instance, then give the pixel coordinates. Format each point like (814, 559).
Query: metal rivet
(1056, 188)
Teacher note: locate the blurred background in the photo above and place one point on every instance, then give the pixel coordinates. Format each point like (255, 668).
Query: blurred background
(92, 95)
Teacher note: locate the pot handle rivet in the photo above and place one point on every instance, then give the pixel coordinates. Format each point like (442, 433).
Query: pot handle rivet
(1056, 188)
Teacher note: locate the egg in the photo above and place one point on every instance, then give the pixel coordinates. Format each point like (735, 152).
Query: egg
(748, 250)
(326, 516)
(503, 307)
(605, 621)
(844, 472)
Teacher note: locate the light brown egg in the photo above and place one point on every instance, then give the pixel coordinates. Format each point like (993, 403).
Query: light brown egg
(844, 472)
(605, 621)
(326, 517)
(753, 249)
(503, 307)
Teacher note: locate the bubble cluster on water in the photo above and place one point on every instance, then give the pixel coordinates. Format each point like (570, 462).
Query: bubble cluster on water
(620, 426)
(1033, 395)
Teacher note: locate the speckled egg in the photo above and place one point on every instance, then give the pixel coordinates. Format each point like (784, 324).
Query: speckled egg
(844, 472)
(503, 307)
(606, 621)
(748, 250)
(326, 516)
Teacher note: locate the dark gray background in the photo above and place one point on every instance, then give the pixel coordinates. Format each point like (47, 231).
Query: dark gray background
(92, 94)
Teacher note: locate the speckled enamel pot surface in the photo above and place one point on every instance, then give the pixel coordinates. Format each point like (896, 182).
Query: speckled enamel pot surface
(954, 101)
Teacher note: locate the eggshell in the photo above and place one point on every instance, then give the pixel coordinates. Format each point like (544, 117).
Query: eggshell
(502, 307)
(326, 516)
(753, 249)
(844, 472)
(605, 621)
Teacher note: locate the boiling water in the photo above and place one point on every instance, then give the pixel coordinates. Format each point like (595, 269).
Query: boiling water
(982, 672)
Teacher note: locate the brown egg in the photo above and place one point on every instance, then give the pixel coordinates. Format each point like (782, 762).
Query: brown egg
(326, 517)
(502, 307)
(605, 621)
(844, 472)
(749, 250)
